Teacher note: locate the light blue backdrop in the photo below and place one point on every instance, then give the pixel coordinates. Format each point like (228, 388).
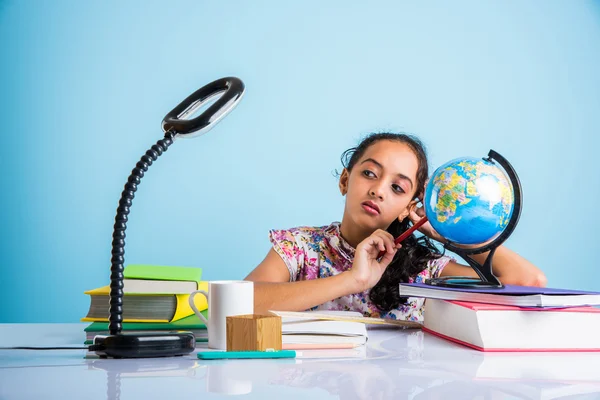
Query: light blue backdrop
(85, 85)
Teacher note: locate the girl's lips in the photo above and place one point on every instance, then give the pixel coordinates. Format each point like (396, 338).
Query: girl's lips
(369, 209)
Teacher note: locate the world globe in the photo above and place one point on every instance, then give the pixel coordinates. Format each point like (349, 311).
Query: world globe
(469, 200)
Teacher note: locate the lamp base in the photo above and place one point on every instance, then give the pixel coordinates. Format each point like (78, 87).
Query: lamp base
(144, 345)
(465, 282)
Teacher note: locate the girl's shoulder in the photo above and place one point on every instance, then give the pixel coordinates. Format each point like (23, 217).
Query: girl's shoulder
(301, 246)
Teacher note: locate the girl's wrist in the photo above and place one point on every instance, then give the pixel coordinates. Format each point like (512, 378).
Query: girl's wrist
(471, 246)
(350, 282)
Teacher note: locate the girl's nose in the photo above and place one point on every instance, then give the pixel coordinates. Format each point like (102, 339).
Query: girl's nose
(376, 192)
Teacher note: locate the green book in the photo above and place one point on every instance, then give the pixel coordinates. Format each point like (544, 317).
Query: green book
(87, 342)
(160, 279)
(191, 324)
(187, 323)
(162, 272)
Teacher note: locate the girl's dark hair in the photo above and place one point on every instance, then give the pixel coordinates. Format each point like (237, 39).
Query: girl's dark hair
(415, 253)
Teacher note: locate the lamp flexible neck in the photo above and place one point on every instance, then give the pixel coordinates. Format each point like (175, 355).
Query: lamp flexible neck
(118, 242)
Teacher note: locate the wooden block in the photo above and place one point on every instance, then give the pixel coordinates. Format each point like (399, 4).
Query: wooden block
(253, 332)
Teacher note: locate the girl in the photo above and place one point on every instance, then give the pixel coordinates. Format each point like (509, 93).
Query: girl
(336, 267)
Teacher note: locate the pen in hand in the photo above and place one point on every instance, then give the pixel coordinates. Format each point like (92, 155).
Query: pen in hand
(406, 234)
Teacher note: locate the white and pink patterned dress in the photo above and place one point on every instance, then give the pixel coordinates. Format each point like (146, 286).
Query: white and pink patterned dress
(320, 252)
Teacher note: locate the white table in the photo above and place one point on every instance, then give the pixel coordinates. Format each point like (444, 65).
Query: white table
(399, 364)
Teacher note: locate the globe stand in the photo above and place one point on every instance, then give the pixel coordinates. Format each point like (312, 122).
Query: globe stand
(487, 279)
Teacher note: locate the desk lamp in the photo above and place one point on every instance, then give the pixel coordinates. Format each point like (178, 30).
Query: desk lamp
(175, 125)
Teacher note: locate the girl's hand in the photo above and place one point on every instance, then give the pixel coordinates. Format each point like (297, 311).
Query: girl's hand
(366, 269)
(415, 214)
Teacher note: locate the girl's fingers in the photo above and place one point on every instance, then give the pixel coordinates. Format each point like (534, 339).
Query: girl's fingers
(386, 260)
(387, 239)
(416, 214)
(378, 243)
(414, 217)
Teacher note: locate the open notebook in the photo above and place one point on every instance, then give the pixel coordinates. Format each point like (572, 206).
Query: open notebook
(306, 333)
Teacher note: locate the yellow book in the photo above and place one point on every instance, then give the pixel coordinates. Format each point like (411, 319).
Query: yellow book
(158, 307)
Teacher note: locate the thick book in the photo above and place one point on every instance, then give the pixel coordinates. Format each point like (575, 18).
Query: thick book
(305, 333)
(144, 307)
(160, 279)
(509, 295)
(491, 327)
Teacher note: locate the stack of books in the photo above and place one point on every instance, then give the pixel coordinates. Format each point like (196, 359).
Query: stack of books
(513, 318)
(156, 298)
(325, 339)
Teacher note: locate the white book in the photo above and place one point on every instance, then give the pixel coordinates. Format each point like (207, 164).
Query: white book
(489, 327)
(150, 286)
(303, 330)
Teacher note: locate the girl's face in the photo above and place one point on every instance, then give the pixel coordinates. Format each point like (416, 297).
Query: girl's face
(381, 186)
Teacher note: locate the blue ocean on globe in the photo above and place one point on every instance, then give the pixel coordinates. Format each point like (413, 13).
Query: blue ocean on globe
(469, 200)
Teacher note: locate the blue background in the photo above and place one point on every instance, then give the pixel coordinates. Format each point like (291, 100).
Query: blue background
(85, 85)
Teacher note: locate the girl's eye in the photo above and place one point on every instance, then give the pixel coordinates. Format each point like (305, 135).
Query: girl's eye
(397, 188)
(368, 173)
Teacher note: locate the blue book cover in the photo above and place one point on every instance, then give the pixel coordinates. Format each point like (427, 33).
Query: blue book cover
(511, 295)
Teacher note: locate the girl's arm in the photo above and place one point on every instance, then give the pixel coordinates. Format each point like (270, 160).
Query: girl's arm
(508, 266)
(273, 291)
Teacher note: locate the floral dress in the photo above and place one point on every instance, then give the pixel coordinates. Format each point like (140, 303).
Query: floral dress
(320, 252)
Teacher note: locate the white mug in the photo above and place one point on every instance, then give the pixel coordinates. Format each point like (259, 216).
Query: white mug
(225, 299)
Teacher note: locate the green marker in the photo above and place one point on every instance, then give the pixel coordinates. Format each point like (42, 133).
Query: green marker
(220, 355)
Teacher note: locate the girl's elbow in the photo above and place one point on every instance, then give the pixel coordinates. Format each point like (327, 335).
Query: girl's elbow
(537, 278)
(542, 281)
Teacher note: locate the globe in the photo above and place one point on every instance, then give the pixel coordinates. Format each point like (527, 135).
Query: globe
(469, 200)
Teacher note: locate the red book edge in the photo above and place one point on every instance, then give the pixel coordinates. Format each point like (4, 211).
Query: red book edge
(498, 350)
(498, 307)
